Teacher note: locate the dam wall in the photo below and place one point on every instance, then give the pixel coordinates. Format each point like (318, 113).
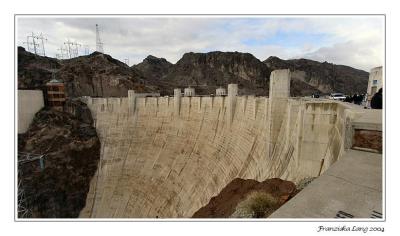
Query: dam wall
(165, 157)
(29, 102)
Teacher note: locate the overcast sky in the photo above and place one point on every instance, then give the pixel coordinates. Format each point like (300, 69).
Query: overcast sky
(357, 41)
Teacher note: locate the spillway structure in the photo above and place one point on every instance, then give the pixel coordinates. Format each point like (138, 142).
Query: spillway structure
(165, 157)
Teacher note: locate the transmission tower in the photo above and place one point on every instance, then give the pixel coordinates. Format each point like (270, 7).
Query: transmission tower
(72, 48)
(87, 49)
(68, 45)
(126, 61)
(31, 41)
(27, 44)
(99, 43)
(75, 50)
(37, 47)
(42, 38)
(63, 53)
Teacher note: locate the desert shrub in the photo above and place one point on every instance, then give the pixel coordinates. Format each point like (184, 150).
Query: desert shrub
(256, 205)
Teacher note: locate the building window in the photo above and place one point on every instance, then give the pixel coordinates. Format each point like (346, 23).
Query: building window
(375, 82)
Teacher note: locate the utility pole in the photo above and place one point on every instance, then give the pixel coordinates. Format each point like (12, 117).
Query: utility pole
(30, 40)
(42, 38)
(76, 50)
(126, 61)
(33, 40)
(34, 43)
(27, 44)
(87, 49)
(62, 53)
(99, 43)
(69, 49)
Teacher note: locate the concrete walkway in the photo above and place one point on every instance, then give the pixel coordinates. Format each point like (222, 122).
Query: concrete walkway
(351, 188)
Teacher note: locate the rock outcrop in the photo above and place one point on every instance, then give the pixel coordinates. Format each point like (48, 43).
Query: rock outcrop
(71, 151)
(34, 71)
(231, 198)
(97, 75)
(325, 77)
(100, 75)
(154, 68)
(207, 71)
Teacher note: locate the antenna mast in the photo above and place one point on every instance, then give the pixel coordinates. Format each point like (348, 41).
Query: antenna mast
(126, 61)
(99, 44)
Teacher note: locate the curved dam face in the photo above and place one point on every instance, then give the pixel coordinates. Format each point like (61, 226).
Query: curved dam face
(167, 156)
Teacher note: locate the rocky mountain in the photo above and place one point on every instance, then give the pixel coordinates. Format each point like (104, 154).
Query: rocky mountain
(97, 75)
(207, 71)
(326, 77)
(34, 71)
(154, 68)
(100, 75)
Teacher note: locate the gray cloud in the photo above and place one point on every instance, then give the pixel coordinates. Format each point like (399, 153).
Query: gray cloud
(355, 41)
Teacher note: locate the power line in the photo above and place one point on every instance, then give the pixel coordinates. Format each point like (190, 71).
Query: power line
(76, 49)
(68, 45)
(87, 49)
(99, 43)
(126, 61)
(72, 48)
(63, 53)
(31, 41)
(42, 38)
(37, 42)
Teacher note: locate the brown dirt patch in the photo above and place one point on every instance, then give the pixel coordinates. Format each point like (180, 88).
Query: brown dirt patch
(224, 204)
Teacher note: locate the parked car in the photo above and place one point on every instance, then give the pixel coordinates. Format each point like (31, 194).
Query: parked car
(337, 96)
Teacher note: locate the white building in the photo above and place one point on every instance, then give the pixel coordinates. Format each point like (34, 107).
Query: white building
(375, 82)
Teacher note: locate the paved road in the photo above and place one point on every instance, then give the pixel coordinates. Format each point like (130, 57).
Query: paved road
(351, 188)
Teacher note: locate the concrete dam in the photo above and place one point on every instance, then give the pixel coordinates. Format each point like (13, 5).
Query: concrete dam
(165, 157)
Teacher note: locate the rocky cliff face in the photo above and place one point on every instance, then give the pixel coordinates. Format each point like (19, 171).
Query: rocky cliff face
(207, 71)
(325, 77)
(34, 71)
(154, 68)
(100, 75)
(71, 152)
(97, 75)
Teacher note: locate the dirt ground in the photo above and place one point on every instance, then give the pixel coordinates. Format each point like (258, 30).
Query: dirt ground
(224, 204)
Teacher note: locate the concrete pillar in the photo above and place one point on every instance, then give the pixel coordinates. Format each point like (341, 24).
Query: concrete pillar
(279, 84)
(89, 100)
(189, 92)
(220, 92)
(279, 92)
(177, 101)
(232, 94)
(131, 101)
